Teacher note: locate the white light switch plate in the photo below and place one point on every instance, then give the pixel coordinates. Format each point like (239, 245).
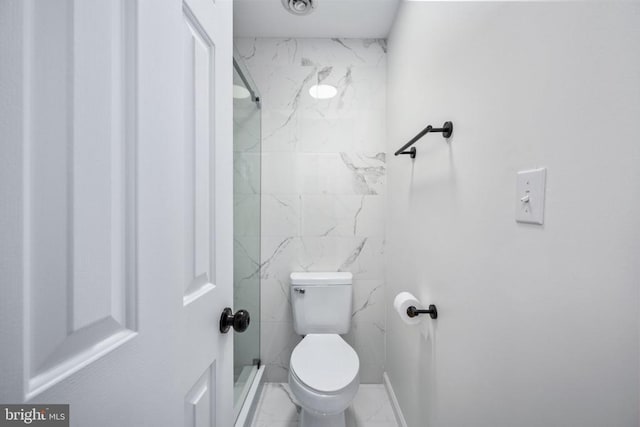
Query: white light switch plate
(530, 196)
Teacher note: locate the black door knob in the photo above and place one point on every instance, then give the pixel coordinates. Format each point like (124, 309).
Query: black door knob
(240, 321)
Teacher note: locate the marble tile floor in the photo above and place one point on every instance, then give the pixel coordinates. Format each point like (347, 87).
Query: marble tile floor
(370, 408)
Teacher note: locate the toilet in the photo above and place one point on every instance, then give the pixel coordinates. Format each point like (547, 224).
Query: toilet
(323, 370)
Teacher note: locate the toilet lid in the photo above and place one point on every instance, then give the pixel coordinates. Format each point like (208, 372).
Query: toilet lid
(325, 362)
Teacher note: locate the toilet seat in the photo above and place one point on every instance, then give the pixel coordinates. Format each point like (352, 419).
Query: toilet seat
(325, 363)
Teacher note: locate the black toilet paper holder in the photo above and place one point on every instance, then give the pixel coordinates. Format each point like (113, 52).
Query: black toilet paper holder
(412, 311)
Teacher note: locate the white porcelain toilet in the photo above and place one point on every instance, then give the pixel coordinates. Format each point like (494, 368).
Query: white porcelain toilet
(323, 370)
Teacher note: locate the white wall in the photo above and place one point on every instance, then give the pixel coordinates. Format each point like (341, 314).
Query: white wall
(323, 184)
(538, 324)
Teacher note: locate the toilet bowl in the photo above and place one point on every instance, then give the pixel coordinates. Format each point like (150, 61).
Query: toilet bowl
(323, 376)
(323, 369)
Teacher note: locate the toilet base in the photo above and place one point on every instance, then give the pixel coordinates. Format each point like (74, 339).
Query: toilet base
(308, 419)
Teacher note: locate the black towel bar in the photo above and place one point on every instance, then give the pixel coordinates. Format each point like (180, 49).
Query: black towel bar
(446, 130)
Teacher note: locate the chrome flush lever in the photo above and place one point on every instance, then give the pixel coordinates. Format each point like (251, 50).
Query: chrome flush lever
(299, 290)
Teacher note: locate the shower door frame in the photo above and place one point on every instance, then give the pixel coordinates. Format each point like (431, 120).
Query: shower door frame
(251, 389)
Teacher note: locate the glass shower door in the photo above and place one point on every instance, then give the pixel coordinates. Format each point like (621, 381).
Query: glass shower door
(246, 217)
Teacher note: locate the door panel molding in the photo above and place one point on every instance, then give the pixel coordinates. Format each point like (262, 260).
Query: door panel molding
(200, 401)
(79, 186)
(199, 152)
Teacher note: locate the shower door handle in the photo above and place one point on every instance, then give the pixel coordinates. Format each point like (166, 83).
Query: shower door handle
(240, 321)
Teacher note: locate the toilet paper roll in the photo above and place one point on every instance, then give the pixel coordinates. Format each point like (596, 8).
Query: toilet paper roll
(403, 301)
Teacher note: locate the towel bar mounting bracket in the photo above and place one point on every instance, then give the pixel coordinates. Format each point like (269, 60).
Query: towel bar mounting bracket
(411, 153)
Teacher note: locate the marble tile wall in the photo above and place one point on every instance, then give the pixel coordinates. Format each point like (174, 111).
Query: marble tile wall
(323, 184)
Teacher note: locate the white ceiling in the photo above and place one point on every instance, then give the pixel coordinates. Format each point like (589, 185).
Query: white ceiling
(331, 18)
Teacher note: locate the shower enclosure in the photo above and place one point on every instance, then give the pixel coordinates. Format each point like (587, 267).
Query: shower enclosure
(247, 152)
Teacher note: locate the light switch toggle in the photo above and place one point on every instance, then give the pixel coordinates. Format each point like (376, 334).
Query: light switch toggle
(530, 191)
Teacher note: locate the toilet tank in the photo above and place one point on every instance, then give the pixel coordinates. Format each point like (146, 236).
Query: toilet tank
(321, 302)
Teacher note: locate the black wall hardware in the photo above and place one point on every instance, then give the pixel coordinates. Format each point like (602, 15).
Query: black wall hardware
(446, 130)
(432, 312)
(240, 321)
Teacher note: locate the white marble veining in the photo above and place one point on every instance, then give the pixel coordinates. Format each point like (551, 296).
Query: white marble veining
(370, 408)
(342, 215)
(323, 184)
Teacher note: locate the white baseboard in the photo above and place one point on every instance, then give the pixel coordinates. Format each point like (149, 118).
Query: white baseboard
(248, 411)
(394, 401)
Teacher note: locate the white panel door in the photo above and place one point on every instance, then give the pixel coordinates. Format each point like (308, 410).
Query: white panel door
(116, 209)
(207, 356)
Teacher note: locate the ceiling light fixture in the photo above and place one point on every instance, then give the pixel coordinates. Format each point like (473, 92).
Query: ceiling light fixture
(299, 7)
(323, 91)
(240, 92)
